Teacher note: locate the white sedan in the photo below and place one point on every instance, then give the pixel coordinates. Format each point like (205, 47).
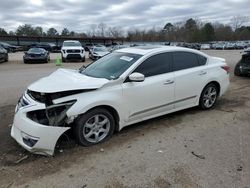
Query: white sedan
(127, 86)
(98, 52)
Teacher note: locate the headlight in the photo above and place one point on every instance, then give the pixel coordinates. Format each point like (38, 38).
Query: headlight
(64, 51)
(23, 101)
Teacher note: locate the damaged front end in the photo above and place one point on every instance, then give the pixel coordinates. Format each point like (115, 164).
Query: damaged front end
(39, 123)
(53, 114)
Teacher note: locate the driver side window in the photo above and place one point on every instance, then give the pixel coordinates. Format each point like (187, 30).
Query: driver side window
(155, 65)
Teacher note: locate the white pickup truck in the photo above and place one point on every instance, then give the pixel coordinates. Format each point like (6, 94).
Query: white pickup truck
(72, 50)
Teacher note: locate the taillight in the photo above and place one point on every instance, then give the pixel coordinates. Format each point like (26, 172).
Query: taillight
(226, 68)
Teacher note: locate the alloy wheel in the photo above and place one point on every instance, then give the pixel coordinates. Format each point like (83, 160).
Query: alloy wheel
(96, 128)
(209, 96)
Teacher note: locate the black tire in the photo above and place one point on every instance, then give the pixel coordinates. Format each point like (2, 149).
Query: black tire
(6, 59)
(25, 62)
(237, 71)
(204, 97)
(63, 59)
(80, 127)
(83, 59)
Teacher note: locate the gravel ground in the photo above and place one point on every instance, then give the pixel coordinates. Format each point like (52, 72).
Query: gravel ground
(189, 149)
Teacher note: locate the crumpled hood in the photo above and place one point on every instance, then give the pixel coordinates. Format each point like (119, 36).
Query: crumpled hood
(66, 80)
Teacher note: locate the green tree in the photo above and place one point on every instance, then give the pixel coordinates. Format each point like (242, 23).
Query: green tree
(52, 32)
(3, 32)
(223, 32)
(192, 32)
(168, 27)
(12, 33)
(207, 32)
(65, 32)
(38, 31)
(243, 33)
(168, 31)
(25, 30)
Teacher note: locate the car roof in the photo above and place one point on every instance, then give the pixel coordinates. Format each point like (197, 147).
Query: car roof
(143, 50)
(37, 49)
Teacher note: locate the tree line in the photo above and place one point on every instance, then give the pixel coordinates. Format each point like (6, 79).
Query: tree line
(191, 30)
(100, 30)
(194, 30)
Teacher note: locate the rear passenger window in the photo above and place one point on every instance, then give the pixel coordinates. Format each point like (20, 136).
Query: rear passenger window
(184, 60)
(202, 60)
(157, 64)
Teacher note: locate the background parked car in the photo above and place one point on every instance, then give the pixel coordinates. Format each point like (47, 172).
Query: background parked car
(3, 55)
(242, 68)
(88, 46)
(72, 50)
(230, 46)
(36, 55)
(205, 46)
(117, 47)
(10, 48)
(218, 46)
(98, 52)
(50, 47)
(241, 45)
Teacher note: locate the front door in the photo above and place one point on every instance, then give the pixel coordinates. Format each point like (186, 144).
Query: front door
(155, 95)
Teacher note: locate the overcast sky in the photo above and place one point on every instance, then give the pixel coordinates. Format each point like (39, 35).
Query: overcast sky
(79, 15)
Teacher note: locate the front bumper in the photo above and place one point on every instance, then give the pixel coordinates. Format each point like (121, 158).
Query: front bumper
(35, 137)
(73, 55)
(96, 57)
(37, 59)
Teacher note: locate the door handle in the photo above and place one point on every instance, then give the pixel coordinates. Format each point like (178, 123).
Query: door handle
(202, 73)
(168, 82)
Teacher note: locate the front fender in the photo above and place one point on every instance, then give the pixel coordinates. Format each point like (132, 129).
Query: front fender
(100, 97)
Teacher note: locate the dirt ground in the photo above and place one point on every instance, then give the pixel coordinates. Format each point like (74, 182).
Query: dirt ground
(189, 149)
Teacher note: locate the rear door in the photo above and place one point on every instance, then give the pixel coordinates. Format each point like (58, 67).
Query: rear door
(156, 93)
(190, 77)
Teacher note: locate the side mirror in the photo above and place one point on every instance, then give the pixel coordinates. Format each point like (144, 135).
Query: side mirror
(136, 77)
(82, 68)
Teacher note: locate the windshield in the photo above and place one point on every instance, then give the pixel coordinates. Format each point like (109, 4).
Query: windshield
(100, 49)
(72, 44)
(111, 66)
(36, 50)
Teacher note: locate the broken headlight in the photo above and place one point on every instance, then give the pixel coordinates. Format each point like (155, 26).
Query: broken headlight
(23, 101)
(53, 115)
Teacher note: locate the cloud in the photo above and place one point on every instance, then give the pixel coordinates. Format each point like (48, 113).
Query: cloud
(79, 15)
